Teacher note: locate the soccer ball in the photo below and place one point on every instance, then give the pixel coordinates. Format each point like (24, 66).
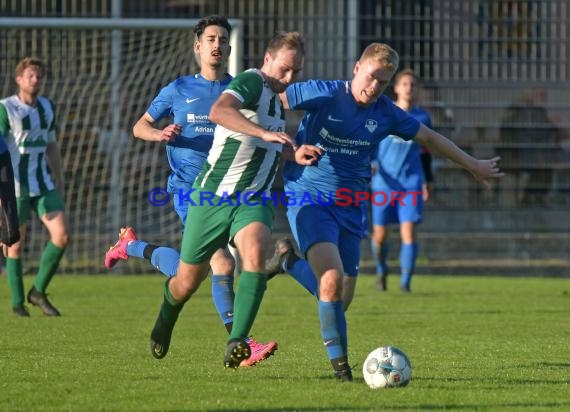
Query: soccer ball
(387, 367)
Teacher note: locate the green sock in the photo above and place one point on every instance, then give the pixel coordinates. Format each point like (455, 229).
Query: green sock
(248, 298)
(15, 280)
(48, 265)
(170, 308)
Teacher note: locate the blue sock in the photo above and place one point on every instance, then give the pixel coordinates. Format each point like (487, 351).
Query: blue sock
(408, 255)
(331, 317)
(136, 248)
(166, 260)
(303, 274)
(341, 318)
(380, 261)
(223, 295)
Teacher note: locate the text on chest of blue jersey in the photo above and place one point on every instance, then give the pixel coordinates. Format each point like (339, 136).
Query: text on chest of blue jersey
(201, 123)
(197, 118)
(342, 145)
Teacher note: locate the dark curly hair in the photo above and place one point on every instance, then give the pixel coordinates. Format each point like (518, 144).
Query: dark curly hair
(211, 21)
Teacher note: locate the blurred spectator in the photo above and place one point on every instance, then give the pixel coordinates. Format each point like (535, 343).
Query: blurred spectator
(529, 148)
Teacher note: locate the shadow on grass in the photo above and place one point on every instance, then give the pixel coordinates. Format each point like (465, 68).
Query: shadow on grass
(425, 407)
(428, 383)
(552, 365)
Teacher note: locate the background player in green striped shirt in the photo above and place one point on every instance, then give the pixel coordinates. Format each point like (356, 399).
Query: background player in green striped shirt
(248, 141)
(27, 122)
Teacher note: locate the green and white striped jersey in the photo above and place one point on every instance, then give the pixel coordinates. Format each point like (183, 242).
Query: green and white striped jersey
(238, 163)
(27, 131)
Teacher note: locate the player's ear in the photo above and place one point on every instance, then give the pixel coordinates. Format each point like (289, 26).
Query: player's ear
(356, 67)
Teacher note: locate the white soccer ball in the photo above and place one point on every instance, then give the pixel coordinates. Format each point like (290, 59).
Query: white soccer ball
(387, 367)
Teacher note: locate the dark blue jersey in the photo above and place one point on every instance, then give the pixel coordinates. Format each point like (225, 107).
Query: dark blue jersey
(348, 133)
(188, 100)
(399, 161)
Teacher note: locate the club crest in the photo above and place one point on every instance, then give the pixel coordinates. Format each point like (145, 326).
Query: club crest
(371, 125)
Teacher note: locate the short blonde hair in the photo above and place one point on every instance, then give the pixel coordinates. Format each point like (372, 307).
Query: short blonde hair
(383, 54)
(289, 40)
(30, 62)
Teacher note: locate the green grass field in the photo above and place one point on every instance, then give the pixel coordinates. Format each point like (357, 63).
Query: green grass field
(476, 343)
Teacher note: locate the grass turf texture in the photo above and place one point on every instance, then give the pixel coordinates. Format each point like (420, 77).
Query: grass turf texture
(475, 343)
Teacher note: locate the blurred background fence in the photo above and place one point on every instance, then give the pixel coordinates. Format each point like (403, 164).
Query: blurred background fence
(495, 78)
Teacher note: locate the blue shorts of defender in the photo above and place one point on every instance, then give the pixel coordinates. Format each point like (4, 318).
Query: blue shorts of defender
(406, 207)
(185, 164)
(341, 225)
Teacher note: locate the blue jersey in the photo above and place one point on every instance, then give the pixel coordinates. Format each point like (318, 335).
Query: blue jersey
(348, 133)
(188, 100)
(399, 161)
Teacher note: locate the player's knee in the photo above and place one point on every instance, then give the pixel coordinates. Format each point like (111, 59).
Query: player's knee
(254, 260)
(330, 288)
(380, 234)
(223, 265)
(14, 251)
(328, 294)
(187, 286)
(61, 240)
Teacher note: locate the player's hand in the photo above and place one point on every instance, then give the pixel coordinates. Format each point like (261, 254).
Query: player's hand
(278, 137)
(374, 167)
(169, 133)
(308, 155)
(483, 170)
(426, 190)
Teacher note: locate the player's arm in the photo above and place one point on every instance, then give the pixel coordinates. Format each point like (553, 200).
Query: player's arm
(284, 100)
(144, 129)
(426, 159)
(480, 169)
(226, 113)
(53, 159)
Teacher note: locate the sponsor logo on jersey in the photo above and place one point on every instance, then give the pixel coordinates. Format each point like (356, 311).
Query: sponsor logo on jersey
(197, 118)
(371, 125)
(204, 129)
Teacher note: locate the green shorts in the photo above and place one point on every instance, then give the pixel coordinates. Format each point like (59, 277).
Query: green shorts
(43, 204)
(211, 227)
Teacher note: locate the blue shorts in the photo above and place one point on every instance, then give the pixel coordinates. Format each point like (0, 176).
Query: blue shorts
(340, 225)
(185, 164)
(390, 208)
(180, 206)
